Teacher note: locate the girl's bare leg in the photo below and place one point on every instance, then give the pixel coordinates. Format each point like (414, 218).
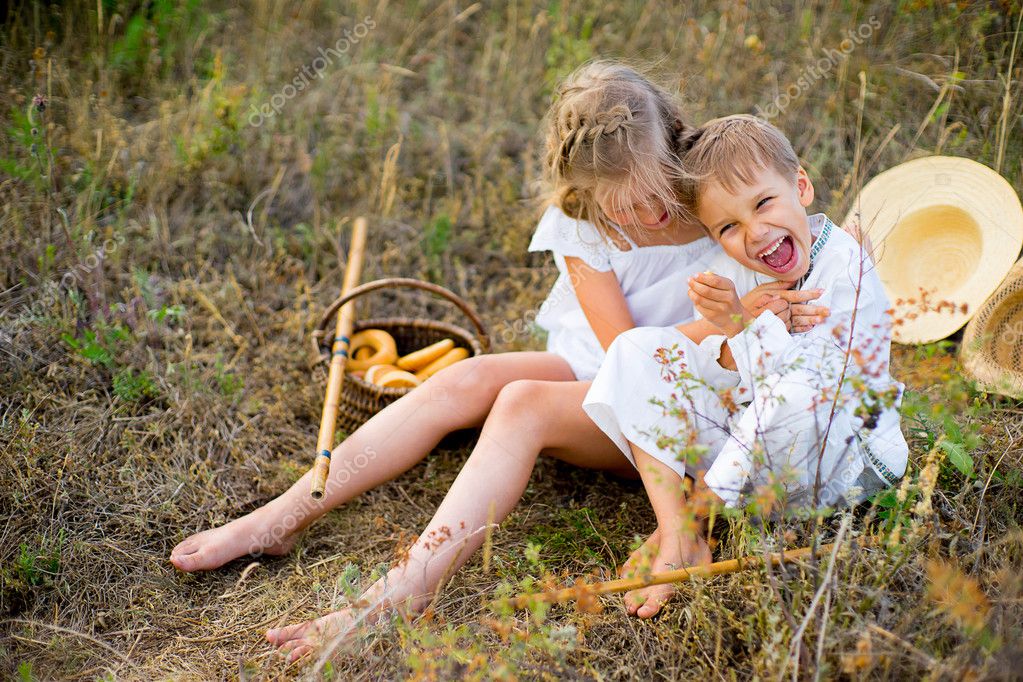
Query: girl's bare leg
(390, 443)
(677, 542)
(527, 418)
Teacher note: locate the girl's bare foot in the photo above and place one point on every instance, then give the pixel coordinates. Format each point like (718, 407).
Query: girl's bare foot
(675, 551)
(254, 534)
(643, 556)
(303, 638)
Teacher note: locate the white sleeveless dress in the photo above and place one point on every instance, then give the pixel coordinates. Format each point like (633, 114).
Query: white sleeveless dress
(653, 279)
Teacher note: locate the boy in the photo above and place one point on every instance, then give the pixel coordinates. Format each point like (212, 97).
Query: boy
(756, 406)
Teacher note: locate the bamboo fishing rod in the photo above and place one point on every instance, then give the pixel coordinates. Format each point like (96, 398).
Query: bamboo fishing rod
(681, 575)
(338, 359)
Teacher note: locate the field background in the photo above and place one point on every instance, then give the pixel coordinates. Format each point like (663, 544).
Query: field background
(164, 253)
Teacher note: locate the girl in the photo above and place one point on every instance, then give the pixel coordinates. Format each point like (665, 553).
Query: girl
(612, 159)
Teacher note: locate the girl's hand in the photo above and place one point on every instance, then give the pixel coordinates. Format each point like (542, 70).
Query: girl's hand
(765, 297)
(789, 306)
(716, 300)
(757, 299)
(804, 317)
(777, 305)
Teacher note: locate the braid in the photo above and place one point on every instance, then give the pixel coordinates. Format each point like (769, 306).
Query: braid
(608, 122)
(684, 137)
(577, 130)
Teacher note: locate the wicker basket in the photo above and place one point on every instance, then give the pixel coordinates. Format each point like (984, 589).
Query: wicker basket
(360, 399)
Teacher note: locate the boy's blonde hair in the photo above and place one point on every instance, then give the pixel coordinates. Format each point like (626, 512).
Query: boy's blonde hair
(611, 126)
(729, 151)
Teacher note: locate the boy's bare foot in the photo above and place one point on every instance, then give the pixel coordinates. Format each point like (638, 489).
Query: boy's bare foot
(643, 556)
(253, 534)
(675, 551)
(303, 638)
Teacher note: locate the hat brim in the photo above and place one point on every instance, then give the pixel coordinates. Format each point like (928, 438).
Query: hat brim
(945, 230)
(992, 348)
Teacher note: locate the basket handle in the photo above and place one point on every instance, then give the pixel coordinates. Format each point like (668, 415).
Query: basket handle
(399, 282)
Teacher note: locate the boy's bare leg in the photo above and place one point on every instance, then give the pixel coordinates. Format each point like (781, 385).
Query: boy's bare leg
(390, 443)
(527, 418)
(676, 543)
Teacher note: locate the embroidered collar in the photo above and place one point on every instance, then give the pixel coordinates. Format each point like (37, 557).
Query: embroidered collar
(822, 239)
(818, 246)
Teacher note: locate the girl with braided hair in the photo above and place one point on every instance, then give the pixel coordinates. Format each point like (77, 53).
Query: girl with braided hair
(624, 248)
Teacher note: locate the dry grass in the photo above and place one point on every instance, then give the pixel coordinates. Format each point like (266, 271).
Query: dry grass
(165, 388)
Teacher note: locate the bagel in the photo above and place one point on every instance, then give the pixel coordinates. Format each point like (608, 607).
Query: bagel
(364, 353)
(446, 360)
(385, 350)
(398, 378)
(424, 356)
(377, 371)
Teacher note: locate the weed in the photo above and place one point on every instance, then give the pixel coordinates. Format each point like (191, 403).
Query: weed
(132, 387)
(437, 237)
(99, 346)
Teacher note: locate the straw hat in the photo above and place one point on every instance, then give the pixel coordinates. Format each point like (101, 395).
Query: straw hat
(992, 350)
(945, 230)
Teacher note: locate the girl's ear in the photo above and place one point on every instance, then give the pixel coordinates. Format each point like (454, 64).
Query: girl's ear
(804, 187)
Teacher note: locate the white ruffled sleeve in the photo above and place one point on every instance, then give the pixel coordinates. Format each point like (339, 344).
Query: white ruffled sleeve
(566, 236)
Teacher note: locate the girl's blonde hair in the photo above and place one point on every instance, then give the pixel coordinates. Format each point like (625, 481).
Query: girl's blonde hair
(610, 125)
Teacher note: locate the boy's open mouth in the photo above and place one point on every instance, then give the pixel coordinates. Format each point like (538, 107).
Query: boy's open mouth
(781, 256)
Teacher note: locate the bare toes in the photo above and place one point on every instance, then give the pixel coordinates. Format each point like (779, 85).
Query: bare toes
(648, 610)
(187, 562)
(280, 636)
(647, 602)
(634, 600)
(186, 546)
(299, 652)
(657, 597)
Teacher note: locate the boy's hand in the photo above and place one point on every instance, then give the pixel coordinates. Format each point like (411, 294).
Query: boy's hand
(714, 296)
(789, 306)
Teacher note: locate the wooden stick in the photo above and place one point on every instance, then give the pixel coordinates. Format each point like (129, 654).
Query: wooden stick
(582, 590)
(338, 358)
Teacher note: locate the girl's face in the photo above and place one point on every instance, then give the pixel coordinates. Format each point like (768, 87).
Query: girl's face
(641, 213)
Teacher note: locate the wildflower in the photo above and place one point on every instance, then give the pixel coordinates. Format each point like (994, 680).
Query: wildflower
(851, 663)
(957, 595)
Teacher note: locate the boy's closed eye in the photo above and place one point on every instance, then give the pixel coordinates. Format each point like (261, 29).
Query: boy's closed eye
(727, 226)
